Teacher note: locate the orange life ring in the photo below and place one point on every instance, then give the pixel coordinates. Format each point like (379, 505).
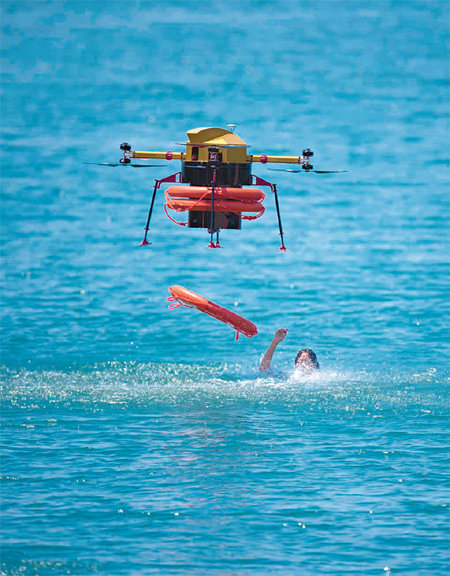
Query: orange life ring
(222, 193)
(183, 297)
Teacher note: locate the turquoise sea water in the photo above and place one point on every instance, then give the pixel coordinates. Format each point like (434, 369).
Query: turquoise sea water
(137, 440)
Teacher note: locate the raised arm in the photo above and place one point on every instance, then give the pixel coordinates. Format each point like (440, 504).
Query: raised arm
(279, 335)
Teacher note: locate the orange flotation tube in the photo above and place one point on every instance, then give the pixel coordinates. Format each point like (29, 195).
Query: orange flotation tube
(236, 200)
(223, 193)
(183, 297)
(181, 205)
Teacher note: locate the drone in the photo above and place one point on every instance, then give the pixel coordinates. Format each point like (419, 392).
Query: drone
(213, 183)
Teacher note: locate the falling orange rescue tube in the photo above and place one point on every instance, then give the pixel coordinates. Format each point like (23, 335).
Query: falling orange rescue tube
(184, 297)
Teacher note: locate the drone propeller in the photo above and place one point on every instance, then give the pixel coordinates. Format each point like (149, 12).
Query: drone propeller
(297, 170)
(124, 164)
(329, 171)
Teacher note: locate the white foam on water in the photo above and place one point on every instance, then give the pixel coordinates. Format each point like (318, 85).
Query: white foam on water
(169, 384)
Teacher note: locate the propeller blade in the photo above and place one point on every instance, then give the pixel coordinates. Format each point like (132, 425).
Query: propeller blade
(328, 171)
(145, 165)
(101, 164)
(120, 164)
(297, 170)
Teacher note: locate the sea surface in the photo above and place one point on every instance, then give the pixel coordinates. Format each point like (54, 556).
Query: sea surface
(142, 441)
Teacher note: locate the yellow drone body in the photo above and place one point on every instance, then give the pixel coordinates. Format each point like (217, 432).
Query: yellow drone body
(231, 149)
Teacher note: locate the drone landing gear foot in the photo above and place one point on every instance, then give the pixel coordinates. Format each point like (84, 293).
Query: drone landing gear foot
(211, 243)
(145, 242)
(283, 248)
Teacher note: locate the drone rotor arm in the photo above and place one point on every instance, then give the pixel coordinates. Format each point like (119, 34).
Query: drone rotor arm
(158, 155)
(264, 159)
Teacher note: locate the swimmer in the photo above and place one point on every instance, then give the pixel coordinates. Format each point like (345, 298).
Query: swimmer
(305, 360)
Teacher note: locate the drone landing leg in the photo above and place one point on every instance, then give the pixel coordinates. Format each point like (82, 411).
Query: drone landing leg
(261, 182)
(172, 178)
(145, 241)
(217, 240)
(282, 247)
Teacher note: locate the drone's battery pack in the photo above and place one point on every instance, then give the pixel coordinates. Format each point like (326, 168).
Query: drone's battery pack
(226, 220)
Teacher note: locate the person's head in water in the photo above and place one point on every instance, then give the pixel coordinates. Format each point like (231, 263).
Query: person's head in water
(307, 360)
